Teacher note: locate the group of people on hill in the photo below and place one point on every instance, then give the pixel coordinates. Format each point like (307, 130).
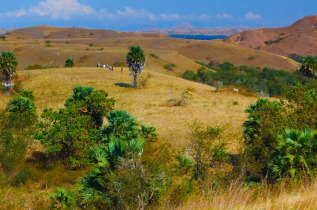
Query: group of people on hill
(105, 66)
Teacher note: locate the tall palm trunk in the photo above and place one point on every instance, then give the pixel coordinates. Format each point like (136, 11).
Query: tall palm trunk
(8, 84)
(135, 83)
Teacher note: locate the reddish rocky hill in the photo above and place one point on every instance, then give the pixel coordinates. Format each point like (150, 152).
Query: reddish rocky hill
(299, 38)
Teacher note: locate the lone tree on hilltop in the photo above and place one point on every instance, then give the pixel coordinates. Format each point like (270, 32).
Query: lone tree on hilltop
(8, 67)
(136, 62)
(69, 63)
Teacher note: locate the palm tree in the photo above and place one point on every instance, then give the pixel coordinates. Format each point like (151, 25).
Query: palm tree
(136, 62)
(295, 154)
(310, 64)
(8, 66)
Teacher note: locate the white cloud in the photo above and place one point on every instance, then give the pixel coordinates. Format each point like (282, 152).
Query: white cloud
(133, 13)
(68, 9)
(204, 17)
(252, 16)
(224, 15)
(169, 17)
(61, 9)
(18, 13)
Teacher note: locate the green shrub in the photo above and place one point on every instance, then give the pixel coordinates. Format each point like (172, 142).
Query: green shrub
(17, 127)
(119, 179)
(190, 75)
(22, 176)
(62, 199)
(169, 66)
(154, 56)
(295, 154)
(69, 63)
(48, 43)
(38, 66)
(3, 37)
(266, 119)
(68, 133)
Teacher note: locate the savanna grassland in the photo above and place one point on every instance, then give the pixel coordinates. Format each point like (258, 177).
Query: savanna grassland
(194, 134)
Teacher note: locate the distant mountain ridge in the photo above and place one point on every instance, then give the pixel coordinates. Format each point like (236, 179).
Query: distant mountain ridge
(299, 38)
(225, 31)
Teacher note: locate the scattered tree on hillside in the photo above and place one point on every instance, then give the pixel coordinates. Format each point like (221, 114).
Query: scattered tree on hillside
(8, 67)
(68, 134)
(310, 65)
(136, 62)
(69, 63)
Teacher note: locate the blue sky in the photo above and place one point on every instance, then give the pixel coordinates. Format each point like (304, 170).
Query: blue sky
(145, 14)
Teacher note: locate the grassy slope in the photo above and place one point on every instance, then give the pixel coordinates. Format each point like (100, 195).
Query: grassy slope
(52, 87)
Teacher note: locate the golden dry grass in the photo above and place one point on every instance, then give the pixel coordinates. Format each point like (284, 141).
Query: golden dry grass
(149, 105)
(300, 197)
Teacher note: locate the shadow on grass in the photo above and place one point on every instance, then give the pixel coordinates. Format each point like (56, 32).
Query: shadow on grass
(124, 85)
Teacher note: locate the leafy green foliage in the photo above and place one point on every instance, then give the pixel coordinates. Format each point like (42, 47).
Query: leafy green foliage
(136, 54)
(148, 133)
(17, 127)
(70, 132)
(8, 66)
(274, 41)
(136, 61)
(269, 81)
(268, 119)
(190, 75)
(69, 63)
(62, 199)
(295, 154)
(169, 66)
(119, 179)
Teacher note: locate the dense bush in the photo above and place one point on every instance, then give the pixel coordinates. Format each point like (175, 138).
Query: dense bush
(169, 66)
(268, 119)
(295, 154)
(68, 133)
(267, 81)
(38, 66)
(69, 63)
(17, 127)
(190, 75)
(119, 179)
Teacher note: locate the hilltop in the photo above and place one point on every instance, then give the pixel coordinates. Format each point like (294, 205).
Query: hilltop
(299, 38)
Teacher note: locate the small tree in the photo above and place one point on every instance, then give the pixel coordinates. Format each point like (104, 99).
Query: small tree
(310, 64)
(8, 67)
(69, 63)
(136, 62)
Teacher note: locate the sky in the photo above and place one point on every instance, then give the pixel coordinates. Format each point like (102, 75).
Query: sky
(135, 15)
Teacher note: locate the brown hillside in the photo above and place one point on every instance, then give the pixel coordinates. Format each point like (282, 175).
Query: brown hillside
(47, 45)
(299, 38)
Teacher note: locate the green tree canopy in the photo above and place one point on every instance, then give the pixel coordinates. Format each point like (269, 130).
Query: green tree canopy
(135, 60)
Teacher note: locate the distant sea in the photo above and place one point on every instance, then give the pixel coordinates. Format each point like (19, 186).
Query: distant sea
(199, 37)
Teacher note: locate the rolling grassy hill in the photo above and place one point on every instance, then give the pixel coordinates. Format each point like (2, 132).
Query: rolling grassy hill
(52, 46)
